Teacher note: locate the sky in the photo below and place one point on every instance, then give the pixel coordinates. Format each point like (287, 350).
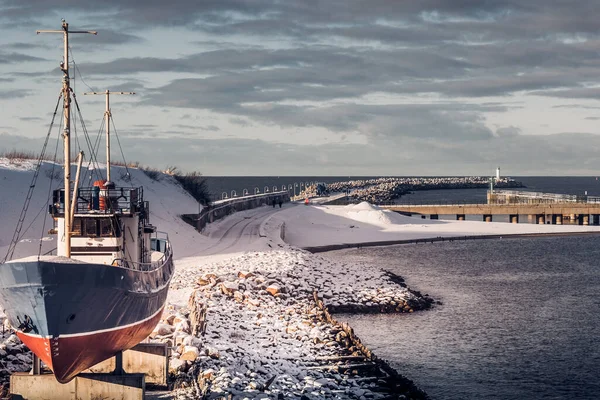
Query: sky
(336, 87)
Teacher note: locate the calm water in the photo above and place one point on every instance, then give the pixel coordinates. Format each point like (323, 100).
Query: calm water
(520, 317)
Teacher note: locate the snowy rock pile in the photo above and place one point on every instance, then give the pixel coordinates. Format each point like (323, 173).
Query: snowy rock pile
(382, 190)
(14, 355)
(265, 337)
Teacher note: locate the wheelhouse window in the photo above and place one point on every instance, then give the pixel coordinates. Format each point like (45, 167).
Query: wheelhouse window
(95, 227)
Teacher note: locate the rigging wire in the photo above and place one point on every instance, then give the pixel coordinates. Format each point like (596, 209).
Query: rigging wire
(120, 147)
(78, 71)
(21, 221)
(94, 150)
(88, 141)
(49, 196)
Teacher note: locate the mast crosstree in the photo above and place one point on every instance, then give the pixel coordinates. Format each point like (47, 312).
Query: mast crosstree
(107, 115)
(66, 93)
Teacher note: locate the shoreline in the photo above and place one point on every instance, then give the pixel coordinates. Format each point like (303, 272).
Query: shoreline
(380, 243)
(267, 335)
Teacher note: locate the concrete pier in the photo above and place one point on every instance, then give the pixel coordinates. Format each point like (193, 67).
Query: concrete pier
(487, 217)
(557, 219)
(460, 217)
(514, 218)
(586, 219)
(541, 218)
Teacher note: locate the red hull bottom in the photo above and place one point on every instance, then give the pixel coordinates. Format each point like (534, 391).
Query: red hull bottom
(68, 356)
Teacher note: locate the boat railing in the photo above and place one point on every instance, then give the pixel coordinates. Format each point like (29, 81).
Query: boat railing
(163, 246)
(93, 200)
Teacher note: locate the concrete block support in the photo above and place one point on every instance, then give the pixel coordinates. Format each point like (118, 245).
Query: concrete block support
(541, 219)
(151, 359)
(557, 219)
(487, 217)
(586, 219)
(531, 219)
(514, 218)
(460, 217)
(84, 386)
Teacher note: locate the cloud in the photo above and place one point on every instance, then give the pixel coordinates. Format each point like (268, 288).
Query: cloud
(508, 131)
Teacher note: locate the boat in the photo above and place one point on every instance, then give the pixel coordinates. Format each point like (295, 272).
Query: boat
(105, 288)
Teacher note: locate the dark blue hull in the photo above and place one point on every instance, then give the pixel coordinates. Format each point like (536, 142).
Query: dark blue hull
(92, 309)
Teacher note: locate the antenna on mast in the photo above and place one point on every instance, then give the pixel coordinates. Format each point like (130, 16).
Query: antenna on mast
(107, 115)
(64, 66)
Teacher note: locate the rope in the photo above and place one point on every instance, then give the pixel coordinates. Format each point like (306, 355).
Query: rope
(21, 221)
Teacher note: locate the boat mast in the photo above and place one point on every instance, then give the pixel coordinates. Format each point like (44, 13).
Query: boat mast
(64, 66)
(107, 116)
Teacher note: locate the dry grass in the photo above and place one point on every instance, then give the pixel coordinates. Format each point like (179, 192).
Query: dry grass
(22, 155)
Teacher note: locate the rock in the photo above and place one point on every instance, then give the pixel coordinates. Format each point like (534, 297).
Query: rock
(253, 302)
(245, 274)
(228, 288)
(273, 289)
(238, 296)
(163, 329)
(256, 385)
(189, 353)
(208, 374)
(176, 365)
(213, 353)
(183, 326)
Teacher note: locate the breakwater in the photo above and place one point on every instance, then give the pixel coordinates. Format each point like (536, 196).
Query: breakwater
(385, 190)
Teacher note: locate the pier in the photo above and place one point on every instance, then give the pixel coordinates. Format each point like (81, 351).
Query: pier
(538, 208)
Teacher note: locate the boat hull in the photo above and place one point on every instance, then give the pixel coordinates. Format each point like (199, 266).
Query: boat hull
(73, 315)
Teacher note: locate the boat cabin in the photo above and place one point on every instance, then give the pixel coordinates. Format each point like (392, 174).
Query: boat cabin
(109, 226)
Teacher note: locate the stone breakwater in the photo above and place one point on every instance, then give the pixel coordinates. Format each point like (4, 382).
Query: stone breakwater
(382, 190)
(254, 329)
(260, 325)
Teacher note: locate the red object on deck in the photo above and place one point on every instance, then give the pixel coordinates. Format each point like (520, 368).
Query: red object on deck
(306, 201)
(70, 355)
(102, 185)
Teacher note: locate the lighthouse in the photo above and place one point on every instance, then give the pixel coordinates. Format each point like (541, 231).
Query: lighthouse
(498, 173)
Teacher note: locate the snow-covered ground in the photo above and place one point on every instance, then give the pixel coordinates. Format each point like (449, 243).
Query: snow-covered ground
(317, 225)
(264, 336)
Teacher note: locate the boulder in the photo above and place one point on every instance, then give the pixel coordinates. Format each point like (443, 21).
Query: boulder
(245, 274)
(189, 353)
(273, 289)
(176, 365)
(228, 288)
(163, 329)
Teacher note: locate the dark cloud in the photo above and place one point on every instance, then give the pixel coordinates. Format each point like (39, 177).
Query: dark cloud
(13, 58)
(9, 94)
(508, 131)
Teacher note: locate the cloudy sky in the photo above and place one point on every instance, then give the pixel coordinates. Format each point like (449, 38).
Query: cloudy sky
(331, 87)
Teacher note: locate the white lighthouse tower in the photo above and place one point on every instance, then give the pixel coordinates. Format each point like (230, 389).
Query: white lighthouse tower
(498, 173)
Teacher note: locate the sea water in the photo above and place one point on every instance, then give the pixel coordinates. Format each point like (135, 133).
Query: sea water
(520, 318)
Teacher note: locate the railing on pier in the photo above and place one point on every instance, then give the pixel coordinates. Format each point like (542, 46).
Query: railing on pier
(525, 197)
